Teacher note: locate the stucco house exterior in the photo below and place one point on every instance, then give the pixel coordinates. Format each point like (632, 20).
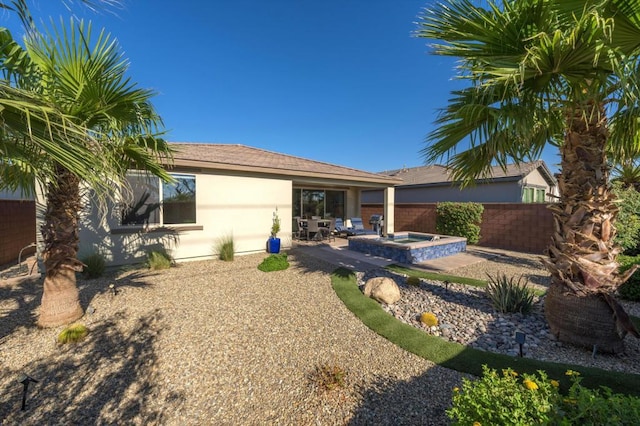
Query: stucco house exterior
(223, 191)
(527, 183)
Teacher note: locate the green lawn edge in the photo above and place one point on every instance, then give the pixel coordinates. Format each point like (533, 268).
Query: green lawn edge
(444, 277)
(459, 357)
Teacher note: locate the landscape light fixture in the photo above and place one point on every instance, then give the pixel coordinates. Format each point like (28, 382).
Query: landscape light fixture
(520, 339)
(25, 380)
(112, 289)
(446, 284)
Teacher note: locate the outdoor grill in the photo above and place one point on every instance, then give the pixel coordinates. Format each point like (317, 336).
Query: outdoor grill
(377, 220)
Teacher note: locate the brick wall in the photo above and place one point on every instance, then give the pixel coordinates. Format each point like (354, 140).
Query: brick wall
(510, 226)
(17, 228)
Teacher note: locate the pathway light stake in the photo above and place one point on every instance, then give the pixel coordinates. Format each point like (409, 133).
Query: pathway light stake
(446, 284)
(112, 288)
(24, 379)
(520, 338)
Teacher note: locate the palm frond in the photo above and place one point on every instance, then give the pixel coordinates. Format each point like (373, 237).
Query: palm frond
(527, 62)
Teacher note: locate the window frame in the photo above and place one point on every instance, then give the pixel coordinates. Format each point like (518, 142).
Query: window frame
(530, 194)
(160, 225)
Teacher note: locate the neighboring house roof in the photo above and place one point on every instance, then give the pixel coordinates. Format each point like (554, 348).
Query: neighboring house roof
(439, 175)
(248, 159)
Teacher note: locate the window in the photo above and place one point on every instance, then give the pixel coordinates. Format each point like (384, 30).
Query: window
(153, 202)
(533, 195)
(334, 204)
(316, 202)
(312, 203)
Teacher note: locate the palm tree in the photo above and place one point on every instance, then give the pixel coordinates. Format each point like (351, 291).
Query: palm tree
(627, 172)
(32, 129)
(560, 72)
(87, 82)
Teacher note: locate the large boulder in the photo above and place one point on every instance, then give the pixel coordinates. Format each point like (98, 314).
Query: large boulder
(382, 289)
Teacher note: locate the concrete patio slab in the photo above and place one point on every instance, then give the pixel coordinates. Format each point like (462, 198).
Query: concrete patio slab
(337, 253)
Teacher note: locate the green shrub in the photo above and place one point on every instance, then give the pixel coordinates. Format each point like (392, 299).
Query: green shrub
(628, 221)
(583, 406)
(509, 399)
(275, 262)
(225, 248)
(509, 295)
(159, 259)
(94, 265)
(413, 280)
(72, 334)
(630, 290)
(460, 219)
(328, 377)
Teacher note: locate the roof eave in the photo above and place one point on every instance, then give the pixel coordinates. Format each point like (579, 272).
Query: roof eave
(206, 165)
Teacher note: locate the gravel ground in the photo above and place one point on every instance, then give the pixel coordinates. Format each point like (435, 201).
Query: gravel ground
(211, 343)
(513, 263)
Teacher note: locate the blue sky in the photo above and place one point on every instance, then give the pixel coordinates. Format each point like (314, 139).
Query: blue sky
(340, 81)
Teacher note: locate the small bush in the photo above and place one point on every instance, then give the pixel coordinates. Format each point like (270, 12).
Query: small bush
(94, 265)
(413, 280)
(225, 248)
(460, 219)
(628, 221)
(72, 334)
(159, 259)
(275, 262)
(429, 319)
(509, 295)
(630, 290)
(329, 377)
(509, 399)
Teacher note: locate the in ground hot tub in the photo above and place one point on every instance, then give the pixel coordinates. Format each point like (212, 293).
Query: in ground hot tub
(408, 247)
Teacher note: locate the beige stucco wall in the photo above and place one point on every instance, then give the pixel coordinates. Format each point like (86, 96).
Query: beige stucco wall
(535, 179)
(237, 206)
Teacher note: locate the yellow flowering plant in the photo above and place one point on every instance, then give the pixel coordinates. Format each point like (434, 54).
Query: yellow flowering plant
(510, 398)
(505, 398)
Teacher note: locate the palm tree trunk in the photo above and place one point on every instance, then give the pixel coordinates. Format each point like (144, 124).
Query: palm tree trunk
(60, 299)
(582, 256)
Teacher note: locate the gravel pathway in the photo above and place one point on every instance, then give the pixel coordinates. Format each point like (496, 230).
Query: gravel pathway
(212, 343)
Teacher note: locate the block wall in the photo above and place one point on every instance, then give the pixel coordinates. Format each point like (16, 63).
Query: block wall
(17, 229)
(510, 226)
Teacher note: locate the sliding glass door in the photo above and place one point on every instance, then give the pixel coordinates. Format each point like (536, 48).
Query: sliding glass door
(318, 202)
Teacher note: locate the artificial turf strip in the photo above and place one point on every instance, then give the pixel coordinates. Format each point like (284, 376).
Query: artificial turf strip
(459, 357)
(436, 276)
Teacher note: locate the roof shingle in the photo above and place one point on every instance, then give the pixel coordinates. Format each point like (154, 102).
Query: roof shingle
(438, 174)
(216, 155)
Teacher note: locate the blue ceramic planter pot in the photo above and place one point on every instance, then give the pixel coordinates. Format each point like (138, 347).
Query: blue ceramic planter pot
(274, 245)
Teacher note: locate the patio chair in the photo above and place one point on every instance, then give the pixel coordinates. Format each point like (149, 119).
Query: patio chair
(313, 230)
(328, 231)
(302, 229)
(340, 229)
(359, 229)
(296, 229)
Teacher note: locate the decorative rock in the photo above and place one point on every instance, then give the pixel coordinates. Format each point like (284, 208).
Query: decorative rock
(382, 289)
(467, 316)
